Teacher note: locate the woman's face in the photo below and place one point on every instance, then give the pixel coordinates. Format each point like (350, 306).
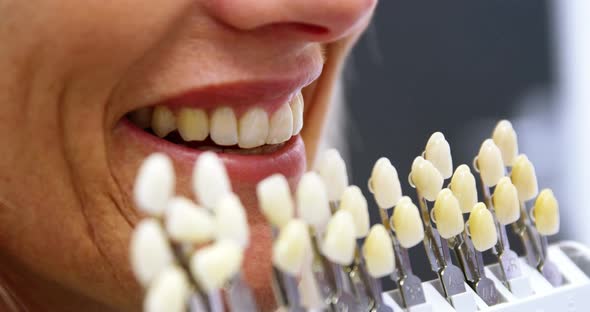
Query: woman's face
(74, 71)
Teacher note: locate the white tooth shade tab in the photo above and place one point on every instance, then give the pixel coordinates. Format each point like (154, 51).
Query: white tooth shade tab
(463, 187)
(524, 177)
(490, 164)
(142, 117)
(426, 178)
(187, 222)
(193, 124)
(482, 228)
(232, 223)
(216, 264)
(154, 184)
(505, 138)
(384, 184)
(224, 127)
(438, 152)
(253, 129)
(210, 180)
(168, 292)
(332, 169)
(292, 247)
(378, 252)
(274, 197)
(407, 223)
(448, 215)
(149, 251)
(297, 108)
(355, 202)
(312, 200)
(546, 213)
(280, 127)
(506, 203)
(339, 240)
(163, 121)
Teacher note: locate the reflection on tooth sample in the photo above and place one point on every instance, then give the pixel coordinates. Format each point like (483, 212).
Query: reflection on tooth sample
(232, 223)
(193, 124)
(355, 202)
(524, 177)
(214, 265)
(312, 200)
(482, 228)
(546, 213)
(210, 180)
(275, 200)
(142, 117)
(447, 214)
(438, 152)
(339, 240)
(281, 125)
(426, 178)
(332, 169)
(154, 184)
(463, 187)
(253, 128)
(187, 222)
(505, 138)
(168, 292)
(150, 251)
(490, 164)
(384, 184)
(407, 223)
(506, 203)
(224, 127)
(297, 109)
(292, 247)
(378, 252)
(163, 121)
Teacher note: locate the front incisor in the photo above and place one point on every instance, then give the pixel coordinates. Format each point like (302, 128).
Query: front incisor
(378, 252)
(274, 197)
(355, 202)
(407, 223)
(524, 178)
(384, 184)
(546, 213)
(464, 188)
(506, 203)
(438, 152)
(482, 228)
(448, 215)
(339, 240)
(332, 169)
(490, 164)
(292, 247)
(426, 178)
(505, 138)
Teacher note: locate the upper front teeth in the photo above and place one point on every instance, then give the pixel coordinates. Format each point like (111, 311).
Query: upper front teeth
(252, 129)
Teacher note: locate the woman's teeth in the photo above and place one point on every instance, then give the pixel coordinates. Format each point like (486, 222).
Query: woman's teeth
(252, 129)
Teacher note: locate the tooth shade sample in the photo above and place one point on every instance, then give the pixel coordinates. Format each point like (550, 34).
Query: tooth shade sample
(355, 202)
(193, 124)
(253, 128)
(150, 251)
(168, 292)
(482, 228)
(142, 117)
(407, 223)
(463, 187)
(154, 184)
(448, 215)
(546, 213)
(505, 138)
(297, 110)
(292, 247)
(232, 223)
(210, 180)
(312, 200)
(280, 127)
(332, 169)
(426, 178)
(438, 152)
(224, 127)
(378, 252)
(163, 121)
(384, 184)
(275, 200)
(339, 240)
(506, 203)
(187, 222)
(524, 178)
(216, 264)
(490, 164)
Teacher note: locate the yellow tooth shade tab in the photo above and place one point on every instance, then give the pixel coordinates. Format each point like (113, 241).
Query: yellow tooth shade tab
(312, 200)
(463, 187)
(448, 215)
(506, 203)
(482, 228)
(378, 252)
(339, 240)
(275, 201)
(384, 184)
(426, 178)
(490, 163)
(332, 169)
(505, 138)
(407, 223)
(524, 178)
(438, 152)
(292, 247)
(546, 213)
(355, 202)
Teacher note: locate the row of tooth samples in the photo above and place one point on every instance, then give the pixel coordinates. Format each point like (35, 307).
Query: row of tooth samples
(252, 129)
(183, 250)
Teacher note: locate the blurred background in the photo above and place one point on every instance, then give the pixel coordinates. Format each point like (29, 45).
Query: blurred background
(459, 67)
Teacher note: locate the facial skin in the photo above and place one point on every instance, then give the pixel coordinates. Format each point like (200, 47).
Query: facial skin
(71, 70)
